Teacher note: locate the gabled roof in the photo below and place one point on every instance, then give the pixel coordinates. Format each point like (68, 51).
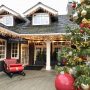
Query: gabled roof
(4, 8)
(40, 6)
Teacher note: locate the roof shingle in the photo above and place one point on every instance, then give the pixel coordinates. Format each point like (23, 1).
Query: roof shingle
(58, 27)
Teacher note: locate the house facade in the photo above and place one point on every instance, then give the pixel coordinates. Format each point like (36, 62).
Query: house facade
(40, 35)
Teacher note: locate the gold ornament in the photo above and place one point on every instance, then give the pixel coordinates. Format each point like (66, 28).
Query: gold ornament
(84, 20)
(83, 12)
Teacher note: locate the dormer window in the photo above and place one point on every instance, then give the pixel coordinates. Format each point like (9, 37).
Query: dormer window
(40, 19)
(7, 20)
(8, 17)
(41, 14)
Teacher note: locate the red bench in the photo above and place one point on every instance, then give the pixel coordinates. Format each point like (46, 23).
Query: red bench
(11, 66)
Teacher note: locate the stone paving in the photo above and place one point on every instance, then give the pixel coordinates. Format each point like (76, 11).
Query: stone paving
(34, 80)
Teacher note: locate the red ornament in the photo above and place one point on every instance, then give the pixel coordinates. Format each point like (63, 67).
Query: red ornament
(82, 31)
(89, 26)
(73, 5)
(82, 25)
(64, 82)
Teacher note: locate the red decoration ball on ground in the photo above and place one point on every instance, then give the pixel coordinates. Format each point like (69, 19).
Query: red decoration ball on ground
(64, 82)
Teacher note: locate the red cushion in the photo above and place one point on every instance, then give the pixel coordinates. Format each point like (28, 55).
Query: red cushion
(15, 69)
(15, 65)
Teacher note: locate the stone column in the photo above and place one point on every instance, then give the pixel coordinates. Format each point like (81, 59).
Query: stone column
(48, 48)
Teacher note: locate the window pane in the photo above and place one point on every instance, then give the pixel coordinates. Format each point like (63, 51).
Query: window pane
(14, 50)
(2, 49)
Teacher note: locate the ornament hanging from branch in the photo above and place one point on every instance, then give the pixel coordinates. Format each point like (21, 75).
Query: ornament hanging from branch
(83, 12)
(73, 5)
(75, 16)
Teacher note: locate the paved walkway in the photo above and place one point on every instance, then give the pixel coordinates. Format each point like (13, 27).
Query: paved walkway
(34, 80)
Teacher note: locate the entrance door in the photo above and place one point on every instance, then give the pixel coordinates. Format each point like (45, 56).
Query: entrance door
(24, 54)
(40, 54)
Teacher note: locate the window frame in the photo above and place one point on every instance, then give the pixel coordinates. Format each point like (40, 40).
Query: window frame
(4, 49)
(5, 18)
(14, 52)
(38, 15)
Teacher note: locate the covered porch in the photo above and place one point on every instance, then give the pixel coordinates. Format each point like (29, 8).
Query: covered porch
(42, 49)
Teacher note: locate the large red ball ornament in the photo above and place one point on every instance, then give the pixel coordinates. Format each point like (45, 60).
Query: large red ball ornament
(89, 26)
(64, 82)
(73, 5)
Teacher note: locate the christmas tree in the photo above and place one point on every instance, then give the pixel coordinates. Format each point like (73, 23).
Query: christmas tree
(79, 37)
(81, 12)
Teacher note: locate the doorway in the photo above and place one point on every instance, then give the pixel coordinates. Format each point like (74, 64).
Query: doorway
(24, 54)
(40, 54)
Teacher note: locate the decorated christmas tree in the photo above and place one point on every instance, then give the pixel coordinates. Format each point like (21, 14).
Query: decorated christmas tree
(81, 15)
(75, 58)
(81, 12)
(79, 37)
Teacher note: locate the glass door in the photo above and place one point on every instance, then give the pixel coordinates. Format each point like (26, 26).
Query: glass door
(40, 54)
(24, 54)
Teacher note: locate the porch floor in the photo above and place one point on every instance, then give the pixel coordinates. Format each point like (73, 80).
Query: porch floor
(34, 80)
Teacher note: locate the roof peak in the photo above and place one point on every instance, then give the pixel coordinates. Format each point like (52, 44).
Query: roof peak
(40, 5)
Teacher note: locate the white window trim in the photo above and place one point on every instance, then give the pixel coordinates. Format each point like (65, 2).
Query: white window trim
(33, 23)
(5, 21)
(1, 59)
(17, 52)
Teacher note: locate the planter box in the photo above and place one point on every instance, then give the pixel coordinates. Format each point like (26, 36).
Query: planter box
(34, 67)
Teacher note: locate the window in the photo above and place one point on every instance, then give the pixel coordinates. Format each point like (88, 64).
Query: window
(7, 20)
(15, 50)
(2, 49)
(40, 19)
